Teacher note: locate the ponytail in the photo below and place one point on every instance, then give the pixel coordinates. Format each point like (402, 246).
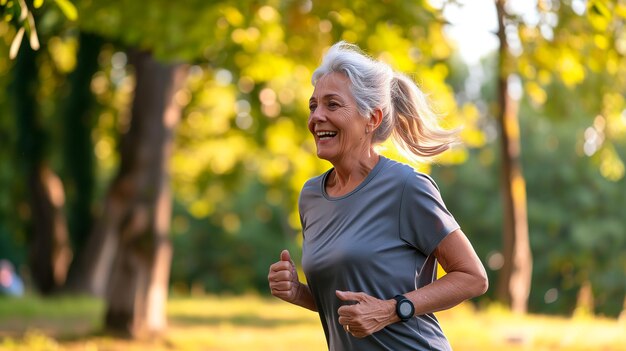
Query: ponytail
(416, 132)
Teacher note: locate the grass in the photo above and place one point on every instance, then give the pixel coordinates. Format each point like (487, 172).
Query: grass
(221, 323)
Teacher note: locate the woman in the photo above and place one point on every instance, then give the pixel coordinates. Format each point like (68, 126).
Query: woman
(374, 229)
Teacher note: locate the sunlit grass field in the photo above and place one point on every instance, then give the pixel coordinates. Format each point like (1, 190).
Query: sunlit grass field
(251, 323)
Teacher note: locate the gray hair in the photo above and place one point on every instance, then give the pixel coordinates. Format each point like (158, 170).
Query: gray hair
(407, 116)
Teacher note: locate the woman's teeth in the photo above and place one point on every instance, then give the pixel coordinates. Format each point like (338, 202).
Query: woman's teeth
(326, 135)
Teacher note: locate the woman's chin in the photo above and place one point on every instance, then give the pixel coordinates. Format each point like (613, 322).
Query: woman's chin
(323, 155)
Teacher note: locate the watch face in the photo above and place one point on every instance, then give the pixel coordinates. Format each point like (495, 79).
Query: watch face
(405, 309)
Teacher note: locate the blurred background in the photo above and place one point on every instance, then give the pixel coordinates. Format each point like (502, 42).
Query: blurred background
(152, 153)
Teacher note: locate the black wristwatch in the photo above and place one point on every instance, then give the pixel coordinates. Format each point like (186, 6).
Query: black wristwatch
(404, 308)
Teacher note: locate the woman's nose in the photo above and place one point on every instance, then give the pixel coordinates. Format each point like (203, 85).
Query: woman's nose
(317, 116)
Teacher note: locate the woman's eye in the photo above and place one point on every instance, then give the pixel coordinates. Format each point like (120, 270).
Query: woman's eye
(333, 105)
(312, 107)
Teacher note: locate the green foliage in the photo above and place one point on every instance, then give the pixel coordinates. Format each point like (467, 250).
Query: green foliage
(572, 148)
(575, 230)
(181, 30)
(573, 72)
(20, 15)
(231, 250)
(575, 218)
(577, 227)
(585, 52)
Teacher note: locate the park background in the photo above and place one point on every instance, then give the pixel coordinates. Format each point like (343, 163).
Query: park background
(152, 152)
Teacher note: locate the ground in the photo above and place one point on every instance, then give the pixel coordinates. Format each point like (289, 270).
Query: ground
(252, 323)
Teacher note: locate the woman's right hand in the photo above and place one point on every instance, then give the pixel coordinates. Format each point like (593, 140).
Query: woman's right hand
(283, 278)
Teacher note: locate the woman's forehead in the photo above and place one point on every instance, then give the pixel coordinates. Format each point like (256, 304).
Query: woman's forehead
(333, 83)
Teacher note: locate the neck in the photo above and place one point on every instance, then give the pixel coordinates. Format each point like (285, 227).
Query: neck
(349, 173)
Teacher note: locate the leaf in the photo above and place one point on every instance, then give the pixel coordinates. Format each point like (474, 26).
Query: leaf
(23, 10)
(34, 40)
(15, 45)
(68, 9)
(599, 8)
(599, 15)
(37, 3)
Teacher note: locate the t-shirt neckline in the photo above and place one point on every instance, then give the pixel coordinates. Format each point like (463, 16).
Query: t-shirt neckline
(381, 161)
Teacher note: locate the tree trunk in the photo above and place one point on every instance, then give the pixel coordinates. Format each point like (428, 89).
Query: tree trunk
(515, 276)
(78, 157)
(134, 253)
(50, 253)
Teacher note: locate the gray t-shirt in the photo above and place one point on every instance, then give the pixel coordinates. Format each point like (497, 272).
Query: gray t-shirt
(377, 239)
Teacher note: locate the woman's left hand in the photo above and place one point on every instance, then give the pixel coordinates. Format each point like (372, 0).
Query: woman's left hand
(367, 316)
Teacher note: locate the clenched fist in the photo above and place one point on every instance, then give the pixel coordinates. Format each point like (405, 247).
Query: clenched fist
(283, 278)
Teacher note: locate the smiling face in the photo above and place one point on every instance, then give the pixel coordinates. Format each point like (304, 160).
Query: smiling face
(335, 122)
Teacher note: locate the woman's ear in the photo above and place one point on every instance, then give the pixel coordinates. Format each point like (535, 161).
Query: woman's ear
(375, 119)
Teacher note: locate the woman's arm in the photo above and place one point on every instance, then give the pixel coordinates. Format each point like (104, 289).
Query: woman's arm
(465, 278)
(304, 298)
(284, 283)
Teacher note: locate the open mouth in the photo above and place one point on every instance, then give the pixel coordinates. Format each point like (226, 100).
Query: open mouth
(326, 135)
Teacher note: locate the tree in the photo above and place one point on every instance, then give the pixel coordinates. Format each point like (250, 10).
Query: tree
(134, 227)
(128, 256)
(49, 251)
(78, 152)
(515, 276)
(49, 243)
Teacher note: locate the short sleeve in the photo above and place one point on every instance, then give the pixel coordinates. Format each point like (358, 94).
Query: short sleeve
(424, 218)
